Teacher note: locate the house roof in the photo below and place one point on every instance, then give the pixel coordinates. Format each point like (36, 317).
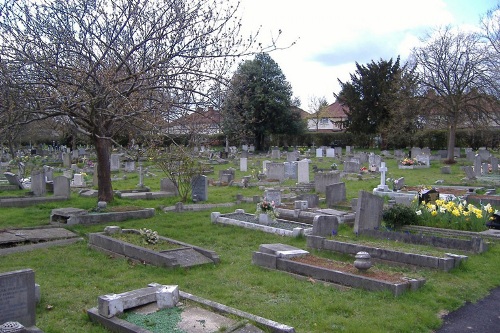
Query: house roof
(335, 110)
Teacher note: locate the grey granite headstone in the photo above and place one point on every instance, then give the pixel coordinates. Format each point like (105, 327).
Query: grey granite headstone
(351, 166)
(38, 184)
(275, 153)
(322, 179)
(275, 171)
(13, 179)
(199, 188)
(469, 172)
(335, 193)
(17, 297)
(494, 164)
(114, 162)
(311, 198)
(325, 225)
(477, 165)
(273, 195)
(303, 172)
(290, 170)
(399, 183)
(62, 187)
(167, 185)
(368, 211)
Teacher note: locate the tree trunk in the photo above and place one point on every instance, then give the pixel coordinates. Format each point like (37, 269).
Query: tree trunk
(452, 131)
(105, 188)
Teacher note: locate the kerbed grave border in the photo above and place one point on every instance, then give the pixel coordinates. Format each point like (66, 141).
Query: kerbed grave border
(110, 306)
(281, 260)
(105, 243)
(446, 263)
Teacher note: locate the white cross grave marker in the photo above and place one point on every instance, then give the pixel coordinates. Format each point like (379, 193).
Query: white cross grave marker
(382, 186)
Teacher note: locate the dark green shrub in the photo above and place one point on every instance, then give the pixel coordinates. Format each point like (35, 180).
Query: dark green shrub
(399, 215)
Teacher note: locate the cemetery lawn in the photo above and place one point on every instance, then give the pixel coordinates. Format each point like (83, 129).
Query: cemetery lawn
(72, 277)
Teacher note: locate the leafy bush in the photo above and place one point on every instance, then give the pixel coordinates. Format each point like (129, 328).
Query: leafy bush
(399, 215)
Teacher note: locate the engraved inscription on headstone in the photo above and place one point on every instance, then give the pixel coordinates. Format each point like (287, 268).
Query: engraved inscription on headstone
(17, 297)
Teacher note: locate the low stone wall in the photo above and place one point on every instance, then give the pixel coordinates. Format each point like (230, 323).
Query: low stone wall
(446, 264)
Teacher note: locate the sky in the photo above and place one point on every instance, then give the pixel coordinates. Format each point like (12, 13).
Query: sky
(330, 36)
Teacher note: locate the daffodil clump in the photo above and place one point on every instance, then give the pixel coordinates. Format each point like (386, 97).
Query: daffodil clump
(456, 214)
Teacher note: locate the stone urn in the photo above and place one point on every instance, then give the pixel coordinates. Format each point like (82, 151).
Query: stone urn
(363, 261)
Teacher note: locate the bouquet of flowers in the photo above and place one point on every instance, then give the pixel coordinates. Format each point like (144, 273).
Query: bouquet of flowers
(267, 207)
(408, 161)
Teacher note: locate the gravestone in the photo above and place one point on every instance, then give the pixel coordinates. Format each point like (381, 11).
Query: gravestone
(469, 172)
(338, 152)
(423, 159)
(273, 195)
(319, 152)
(311, 198)
(244, 154)
(485, 154)
(470, 155)
(199, 188)
(95, 180)
(167, 185)
(351, 166)
(13, 179)
(275, 153)
(362, 157)
(330, 152)
(494, 164)
(38, 184)
(322, 179)
(398, 153)
(114, 162)
(477, 165)
(49, 173)
(62, 187)
(251, 149)
(74, 154)
(484, 168)
(325, 225)
(264, 166)
(78, 180)
(129, 166)
(292, 156)
(415, 151)
(275, 171)
(374, 161)
(446, 170)
(303, 172)
(244, 147)
(456, 152)
(369, 209)
(290, 170)
(399, 184)
(66, 160)
(347, 150)
(382, 186)
(243, 164)
(428, 196)
(335, 193)
(18, 297)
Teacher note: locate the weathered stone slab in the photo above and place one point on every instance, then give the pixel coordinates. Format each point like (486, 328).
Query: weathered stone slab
(17, 297)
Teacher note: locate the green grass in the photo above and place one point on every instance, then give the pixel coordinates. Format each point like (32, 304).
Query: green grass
(72, 277)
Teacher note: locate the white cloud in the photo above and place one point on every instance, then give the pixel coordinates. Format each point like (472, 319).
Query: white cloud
(331, 36)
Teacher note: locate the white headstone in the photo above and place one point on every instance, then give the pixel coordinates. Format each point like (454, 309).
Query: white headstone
(243, 164)
(303, 172)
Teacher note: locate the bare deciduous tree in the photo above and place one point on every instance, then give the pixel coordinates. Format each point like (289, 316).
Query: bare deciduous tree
(101, 66)
(453, 74)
